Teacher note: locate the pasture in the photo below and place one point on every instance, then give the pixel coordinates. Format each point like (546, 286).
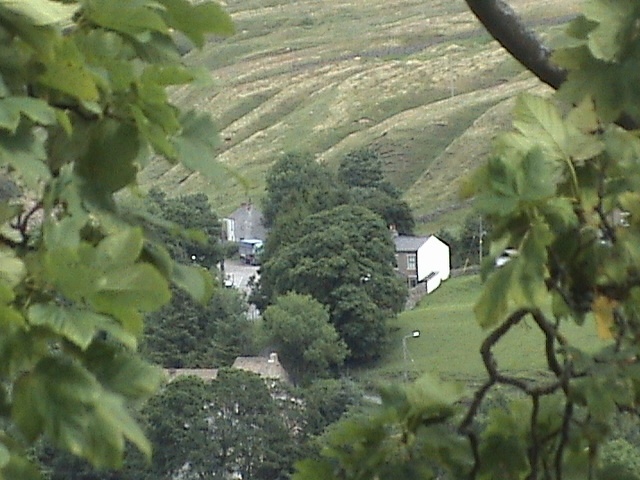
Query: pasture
(450, 339)
(420, 83)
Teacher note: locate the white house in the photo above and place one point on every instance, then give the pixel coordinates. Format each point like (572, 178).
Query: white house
(423, 260)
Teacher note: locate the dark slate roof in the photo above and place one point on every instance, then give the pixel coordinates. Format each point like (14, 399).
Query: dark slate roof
(405, 243)
(248, 222)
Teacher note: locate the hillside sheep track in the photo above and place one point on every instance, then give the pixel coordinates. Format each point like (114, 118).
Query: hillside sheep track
(419, 83)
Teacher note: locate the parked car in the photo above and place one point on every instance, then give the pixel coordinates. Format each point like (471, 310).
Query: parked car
(505, 257)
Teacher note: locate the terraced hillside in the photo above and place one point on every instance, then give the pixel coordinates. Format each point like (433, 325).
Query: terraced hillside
(419, 81)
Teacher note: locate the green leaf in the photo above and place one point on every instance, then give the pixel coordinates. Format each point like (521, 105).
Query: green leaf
(615, 21)
(43, 39)
(196, 144)
(196, 281)
(69, 73)
(20, 468)
(496, 186)
(120, 249)
(40, 12)
(5, 456)
(162, 75)
(595, 393)
(197, 20)
(502, 446)
(78, 326)
(65, 401)
(539, 121)
(111, 425)
(107, 166)
(538, 176)
(13, 108)
(123, 372)
(584, 116)
(129, 317)
(520, 283)
(604, 83)
(4, 91)
(140, 286)
(153, 133)
(428, 390)
(63, 234)
(25, 152)
(493, 304)
(159, 257)
(132, 17)
(537, 118)
(112, 56)
(65, 269)
(314, 469)
(559, 213)
(12, 269)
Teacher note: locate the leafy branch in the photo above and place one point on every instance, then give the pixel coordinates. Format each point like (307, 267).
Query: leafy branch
(504, 24)
(83, 101)
(534, 391)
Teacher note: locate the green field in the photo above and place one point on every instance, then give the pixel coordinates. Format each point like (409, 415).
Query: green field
(450, 339)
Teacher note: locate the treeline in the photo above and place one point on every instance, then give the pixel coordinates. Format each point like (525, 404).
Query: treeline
(327, 291)
(330, 243)
(238, 426)
(466, 243)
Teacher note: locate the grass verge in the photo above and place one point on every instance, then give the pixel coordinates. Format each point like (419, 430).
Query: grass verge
(450, 340)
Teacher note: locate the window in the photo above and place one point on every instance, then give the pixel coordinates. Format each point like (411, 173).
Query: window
(411, 261)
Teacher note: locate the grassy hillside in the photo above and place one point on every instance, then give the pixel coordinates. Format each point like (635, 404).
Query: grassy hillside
(450, 339)
(419, 81)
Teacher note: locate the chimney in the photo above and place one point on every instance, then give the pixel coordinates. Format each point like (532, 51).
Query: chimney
(273, 357)
(393, 230)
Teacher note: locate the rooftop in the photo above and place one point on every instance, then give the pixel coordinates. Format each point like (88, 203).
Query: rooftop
(405, 243)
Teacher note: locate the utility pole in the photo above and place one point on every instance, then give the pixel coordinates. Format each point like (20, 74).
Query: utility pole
(481, 234)
(452, 88)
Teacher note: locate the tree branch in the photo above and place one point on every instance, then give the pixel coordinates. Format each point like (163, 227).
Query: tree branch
(534, 450)
(551, 335)
(508, 29)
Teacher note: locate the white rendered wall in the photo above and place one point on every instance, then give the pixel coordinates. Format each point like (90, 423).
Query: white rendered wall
(433, 256)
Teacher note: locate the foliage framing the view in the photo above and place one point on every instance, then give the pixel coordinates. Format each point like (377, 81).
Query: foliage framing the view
(83, 104)
(563, 189)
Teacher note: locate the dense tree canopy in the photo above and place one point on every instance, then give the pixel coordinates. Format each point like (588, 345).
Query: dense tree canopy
(193, 231)
(329, 239)
(328, 400)
(344, 258)
(298, 186)
(210, 430)
(362, 173)
(362, 168)
(261, 429)
(563, 189)
(83, 104)
(187, 334)
(467, 243)
(298, 327)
